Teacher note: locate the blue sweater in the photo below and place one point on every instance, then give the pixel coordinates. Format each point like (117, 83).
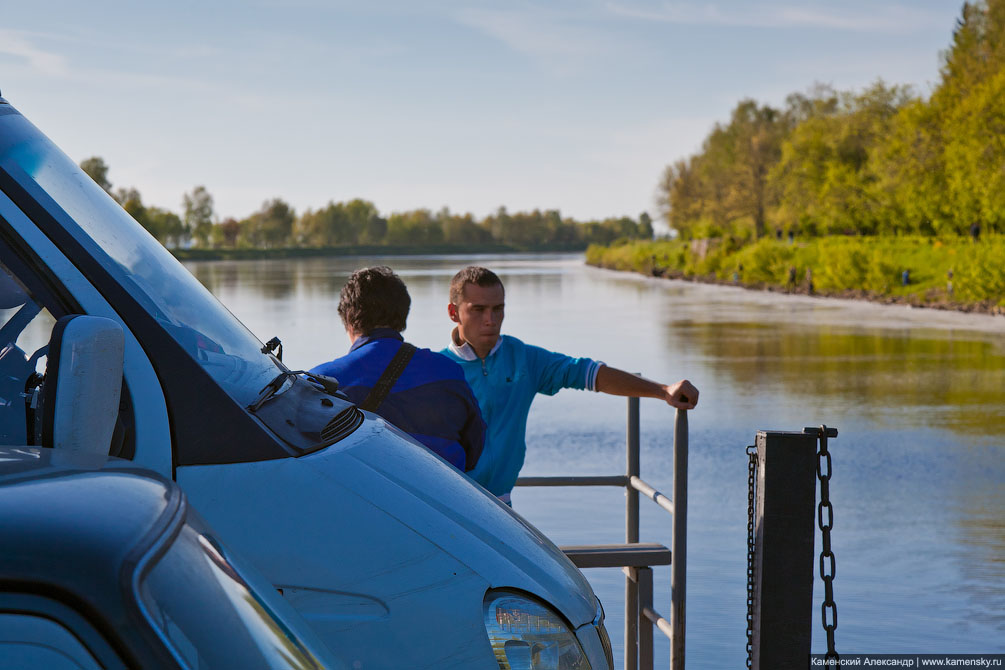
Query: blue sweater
(430, 400)
(505, 383)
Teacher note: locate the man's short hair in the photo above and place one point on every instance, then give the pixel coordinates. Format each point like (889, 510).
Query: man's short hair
(374, 298)
(472, 274)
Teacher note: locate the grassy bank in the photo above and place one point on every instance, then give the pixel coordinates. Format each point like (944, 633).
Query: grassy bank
(953, 273)
(364, 250)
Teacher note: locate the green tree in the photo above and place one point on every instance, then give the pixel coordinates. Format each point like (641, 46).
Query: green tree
(165, 226)
(344, 223)
(970, 108)
(365, 221)
(271, 226)
(461, 229)
(96, 169)
(828, 179)
(724, 188)
(170, 229)
(909, 169)
(681, 198)
(226, 232)
(975, 54)
(497, 224)
(711, 170)
(326, 227)
(197, 216)
(757, 133)
(417, 227)
(645, 226)
(130, 201)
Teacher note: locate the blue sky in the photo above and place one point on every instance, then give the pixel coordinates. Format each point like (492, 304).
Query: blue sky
(576, 106)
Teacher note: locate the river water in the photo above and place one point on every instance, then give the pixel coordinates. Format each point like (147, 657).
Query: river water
(918, 468)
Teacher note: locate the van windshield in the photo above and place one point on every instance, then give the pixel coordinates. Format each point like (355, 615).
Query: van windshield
(213, 336)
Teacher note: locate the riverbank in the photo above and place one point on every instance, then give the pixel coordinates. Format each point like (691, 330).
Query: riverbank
(955, 274)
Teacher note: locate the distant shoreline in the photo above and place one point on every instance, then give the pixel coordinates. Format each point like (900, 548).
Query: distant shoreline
(952, 274)
(984, 308)
(366, 250)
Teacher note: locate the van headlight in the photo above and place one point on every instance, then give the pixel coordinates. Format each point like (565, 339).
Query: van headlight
(526, 634)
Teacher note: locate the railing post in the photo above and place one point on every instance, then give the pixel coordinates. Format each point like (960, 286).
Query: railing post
(783, 550)
(645, 583)
(632, 470)
(632, 534)
(678, 543)
(631, 618)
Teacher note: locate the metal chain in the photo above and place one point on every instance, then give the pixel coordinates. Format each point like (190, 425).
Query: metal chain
(828, 565)
(751, 486)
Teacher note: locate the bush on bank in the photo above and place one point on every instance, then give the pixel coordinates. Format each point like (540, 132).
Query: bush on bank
(956, 272)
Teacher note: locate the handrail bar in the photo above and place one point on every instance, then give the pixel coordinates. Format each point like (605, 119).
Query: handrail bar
(662, 623)
(574, 480)
(651, 493)
(639, 485)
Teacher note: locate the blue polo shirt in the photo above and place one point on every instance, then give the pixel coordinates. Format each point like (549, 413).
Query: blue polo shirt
(430, 401)
(505, 383)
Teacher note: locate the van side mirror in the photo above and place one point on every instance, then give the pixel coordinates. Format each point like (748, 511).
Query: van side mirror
(83, 380)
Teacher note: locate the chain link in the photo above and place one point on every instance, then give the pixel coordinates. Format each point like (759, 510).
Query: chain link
(828, 566)
(751, 488)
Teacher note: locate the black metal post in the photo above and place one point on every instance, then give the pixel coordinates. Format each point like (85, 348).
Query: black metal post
(784, 530)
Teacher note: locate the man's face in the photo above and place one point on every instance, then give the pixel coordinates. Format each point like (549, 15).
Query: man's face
(479, 316)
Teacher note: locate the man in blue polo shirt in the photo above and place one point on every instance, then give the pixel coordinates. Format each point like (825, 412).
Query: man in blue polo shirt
(418, 390)
(505, 375)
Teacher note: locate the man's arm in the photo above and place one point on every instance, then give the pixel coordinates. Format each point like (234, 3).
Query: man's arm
(682, 395)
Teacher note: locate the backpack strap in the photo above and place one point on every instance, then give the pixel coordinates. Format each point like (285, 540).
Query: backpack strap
(389, 376)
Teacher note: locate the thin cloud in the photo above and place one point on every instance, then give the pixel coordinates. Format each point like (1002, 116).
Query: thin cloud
(48, 63)
(547, 36)
(893, 19)
(21, 46)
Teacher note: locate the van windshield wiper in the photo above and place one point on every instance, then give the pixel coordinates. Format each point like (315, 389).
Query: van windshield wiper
(272, 388)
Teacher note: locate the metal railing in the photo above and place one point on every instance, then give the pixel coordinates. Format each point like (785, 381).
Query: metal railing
(635, 558)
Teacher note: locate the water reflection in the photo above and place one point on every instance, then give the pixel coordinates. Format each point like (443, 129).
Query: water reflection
(950, 381)
(273, 281)
(981, 552)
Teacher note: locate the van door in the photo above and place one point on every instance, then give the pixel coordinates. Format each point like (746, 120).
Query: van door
(39, 286)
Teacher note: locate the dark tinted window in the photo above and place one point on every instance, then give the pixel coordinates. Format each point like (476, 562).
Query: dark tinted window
(25, 327)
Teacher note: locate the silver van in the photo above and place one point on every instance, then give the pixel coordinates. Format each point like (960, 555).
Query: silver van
(396, 559)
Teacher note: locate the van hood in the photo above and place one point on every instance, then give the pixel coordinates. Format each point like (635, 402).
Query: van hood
(488, 536)
(386, 549)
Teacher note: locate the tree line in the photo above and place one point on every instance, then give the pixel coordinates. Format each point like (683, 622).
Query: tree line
(882, 161)
(358, 222)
